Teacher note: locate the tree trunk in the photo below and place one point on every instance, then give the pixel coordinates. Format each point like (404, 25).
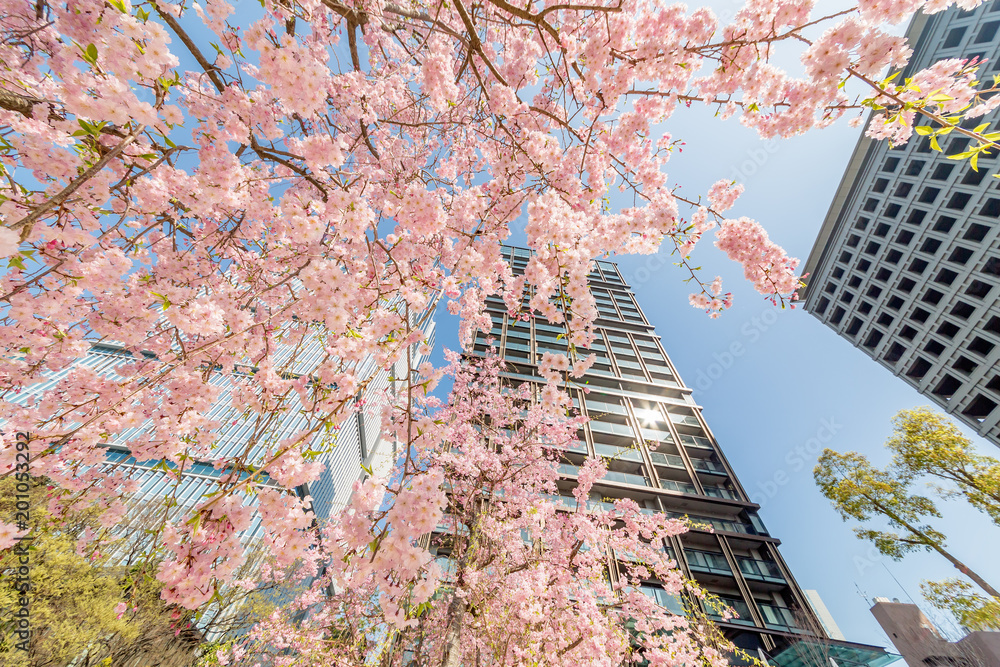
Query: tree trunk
(963, 568)
(933, 544)
(452, 648)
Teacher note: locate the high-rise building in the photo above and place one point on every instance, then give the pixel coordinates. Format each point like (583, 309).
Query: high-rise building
(661, 453)
(348, 453)
(823, 614)
(907, 263)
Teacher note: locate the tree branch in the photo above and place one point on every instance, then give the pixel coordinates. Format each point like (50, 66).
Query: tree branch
(75, 184)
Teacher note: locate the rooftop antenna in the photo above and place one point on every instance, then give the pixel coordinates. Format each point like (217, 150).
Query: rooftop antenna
(862, 593)
(905, 592)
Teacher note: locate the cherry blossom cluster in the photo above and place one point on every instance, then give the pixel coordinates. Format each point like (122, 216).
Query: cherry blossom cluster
(9, 535)
(765, 264)
(722, 196)
(517, 575)
(712, 299)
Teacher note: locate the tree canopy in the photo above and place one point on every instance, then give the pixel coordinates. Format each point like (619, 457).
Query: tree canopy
(926, 448)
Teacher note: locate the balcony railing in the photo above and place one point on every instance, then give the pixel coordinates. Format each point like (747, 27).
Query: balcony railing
(569, 469)
(686, 420)
(741, 608)
(683, 487)
(696, 441)
(618, 453)
(779, 618)
(627, 478)
(611, 475)
(720, 492)
(594, 504)
(671, 603)
(598, 407)
(613, 429)
(671, 460)
(720, 524)
(706, 465)
(761, 570)
(655, 435)
(578, 446)
(707, 561)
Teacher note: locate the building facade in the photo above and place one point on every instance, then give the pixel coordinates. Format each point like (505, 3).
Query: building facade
(661, 453)
(356, 445)
(823, 614)
(907, 263)
(920, 643)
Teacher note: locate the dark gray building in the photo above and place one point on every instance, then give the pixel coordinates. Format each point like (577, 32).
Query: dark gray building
(907, 264)
(661, 453)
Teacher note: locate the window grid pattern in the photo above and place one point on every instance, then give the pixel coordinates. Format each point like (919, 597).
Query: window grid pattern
(658, 448)
(930, 227)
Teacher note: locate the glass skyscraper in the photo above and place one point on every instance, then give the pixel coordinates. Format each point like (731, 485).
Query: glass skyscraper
(661, 453)
(345, 452)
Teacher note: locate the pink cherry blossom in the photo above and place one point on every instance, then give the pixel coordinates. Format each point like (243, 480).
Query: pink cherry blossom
(9, 242)
(218, 218)
(9, 535)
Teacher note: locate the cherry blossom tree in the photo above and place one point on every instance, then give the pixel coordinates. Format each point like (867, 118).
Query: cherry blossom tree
(218, 190)
(522, 573)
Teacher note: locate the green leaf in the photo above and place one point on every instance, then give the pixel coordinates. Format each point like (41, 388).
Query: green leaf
(923, 130)
(164, 301)
(974, 161)
(93, 129)
(119, 5)
(982, 127)
(935, 145)
(90, 54)
(16, 262)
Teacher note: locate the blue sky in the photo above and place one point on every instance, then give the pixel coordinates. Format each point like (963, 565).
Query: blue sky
(795, 382)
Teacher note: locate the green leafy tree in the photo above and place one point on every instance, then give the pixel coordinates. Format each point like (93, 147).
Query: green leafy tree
(98, 603)
(926, 447)
(970, 608)
(73, 602)
(927, 443)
